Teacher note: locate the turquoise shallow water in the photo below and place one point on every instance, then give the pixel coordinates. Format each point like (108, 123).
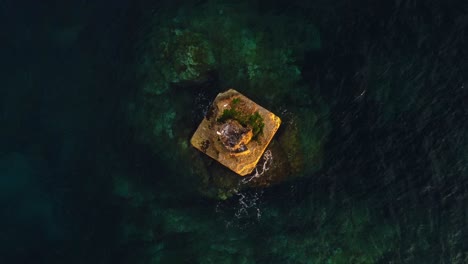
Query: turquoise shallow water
(95, 165)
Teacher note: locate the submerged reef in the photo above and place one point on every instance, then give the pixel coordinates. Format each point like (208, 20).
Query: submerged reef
(390, 186)
(194, 52)
(247, 50)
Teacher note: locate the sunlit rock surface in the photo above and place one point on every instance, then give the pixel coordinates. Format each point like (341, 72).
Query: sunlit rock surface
(228, 141)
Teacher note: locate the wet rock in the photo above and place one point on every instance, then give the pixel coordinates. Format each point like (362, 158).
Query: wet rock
(234, 136)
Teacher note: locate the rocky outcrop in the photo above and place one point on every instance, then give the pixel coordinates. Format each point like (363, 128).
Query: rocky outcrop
(234, 136)
(226, 135)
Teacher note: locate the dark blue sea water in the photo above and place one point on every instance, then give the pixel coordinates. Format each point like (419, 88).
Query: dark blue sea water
(97, 103)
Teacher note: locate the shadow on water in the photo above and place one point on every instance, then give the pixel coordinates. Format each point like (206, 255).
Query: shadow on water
(61, 126)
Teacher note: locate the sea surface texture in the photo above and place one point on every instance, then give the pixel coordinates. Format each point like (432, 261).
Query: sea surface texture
(99, 100)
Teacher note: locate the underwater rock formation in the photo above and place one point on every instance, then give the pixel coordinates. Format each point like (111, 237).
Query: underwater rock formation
(248, 51)
(186, 56)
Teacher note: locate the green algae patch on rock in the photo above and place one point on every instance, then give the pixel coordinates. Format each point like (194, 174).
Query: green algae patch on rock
(226, 133)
